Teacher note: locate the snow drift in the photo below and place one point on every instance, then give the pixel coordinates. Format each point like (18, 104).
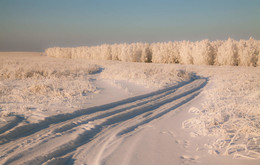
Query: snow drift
(205, 52)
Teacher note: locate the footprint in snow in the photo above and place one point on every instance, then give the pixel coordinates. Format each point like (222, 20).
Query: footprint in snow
(187, 159)
(184, 143)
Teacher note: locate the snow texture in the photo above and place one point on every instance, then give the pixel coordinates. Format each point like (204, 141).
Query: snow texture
(205, 52)
(224, 103)
(34, 83)
(149, 75)
(31, 84)
(230, 112)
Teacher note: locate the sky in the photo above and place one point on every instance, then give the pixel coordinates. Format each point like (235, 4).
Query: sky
(34, 25)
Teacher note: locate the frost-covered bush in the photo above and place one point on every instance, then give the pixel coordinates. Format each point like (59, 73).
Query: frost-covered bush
(135, 52)
(165, 52)
(186, 52)
(229, 52)
(248, 52)
(203, 53)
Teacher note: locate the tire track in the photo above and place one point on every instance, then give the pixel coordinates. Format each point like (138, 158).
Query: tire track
(60, 136)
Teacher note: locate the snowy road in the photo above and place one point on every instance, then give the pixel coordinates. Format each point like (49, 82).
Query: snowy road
(59, 139)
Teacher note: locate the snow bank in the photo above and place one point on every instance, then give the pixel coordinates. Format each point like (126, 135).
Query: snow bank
(229, 52)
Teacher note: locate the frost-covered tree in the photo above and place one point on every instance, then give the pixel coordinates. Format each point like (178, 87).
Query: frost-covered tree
(247, 52)
(173, 51)
(229, 52)
(203, 53)
(146, 54)
(186, 52)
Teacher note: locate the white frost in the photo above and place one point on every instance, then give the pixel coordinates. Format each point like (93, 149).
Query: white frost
(229, 52)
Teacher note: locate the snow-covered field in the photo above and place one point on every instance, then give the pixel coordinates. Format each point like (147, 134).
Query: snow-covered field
(81, 111)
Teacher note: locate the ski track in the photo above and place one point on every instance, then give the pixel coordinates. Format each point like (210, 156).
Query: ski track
(55, 139)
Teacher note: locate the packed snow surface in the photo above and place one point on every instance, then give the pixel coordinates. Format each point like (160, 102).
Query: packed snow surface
(81, 111)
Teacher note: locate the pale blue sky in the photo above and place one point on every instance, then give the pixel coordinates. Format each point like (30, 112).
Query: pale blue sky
(33, 25)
